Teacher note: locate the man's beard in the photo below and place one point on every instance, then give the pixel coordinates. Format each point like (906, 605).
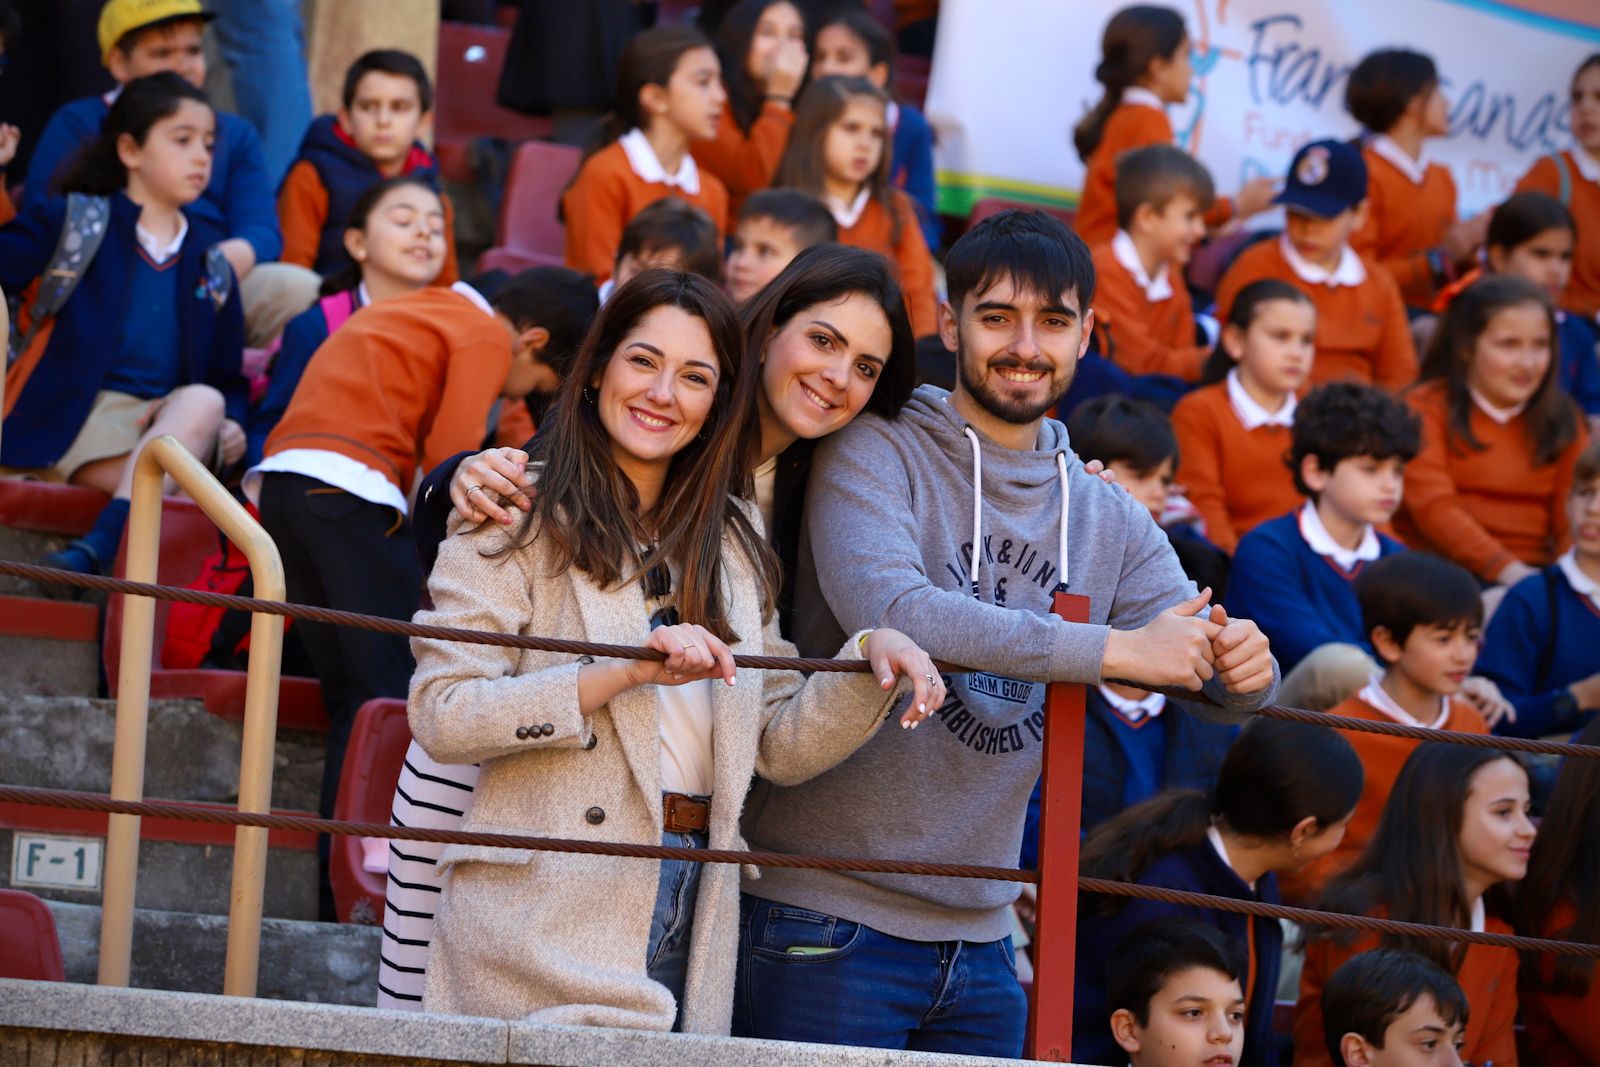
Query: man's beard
(1018, 413)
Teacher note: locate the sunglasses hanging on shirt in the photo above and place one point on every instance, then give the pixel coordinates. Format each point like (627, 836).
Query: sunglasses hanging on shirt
(657, 584)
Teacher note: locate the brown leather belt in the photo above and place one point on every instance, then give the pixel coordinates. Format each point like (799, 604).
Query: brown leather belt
(684, 814)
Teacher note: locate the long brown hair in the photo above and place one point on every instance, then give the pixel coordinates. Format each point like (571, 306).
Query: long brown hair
(649, 58)
(804, 165)
(1412, 866)
(1552, 417)
(1133, 38)
(734, 36)
(1565, 867)
(587, 508)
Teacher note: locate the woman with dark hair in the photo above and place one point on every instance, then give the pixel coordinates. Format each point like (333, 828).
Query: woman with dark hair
(831, 338)
(1282, 798)
(762, 46)
(636, 537)
(1560, 899)
(1454, 831)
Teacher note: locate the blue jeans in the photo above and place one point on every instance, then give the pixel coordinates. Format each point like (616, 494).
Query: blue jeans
(667, 958)
(263, 44)
(853, 985)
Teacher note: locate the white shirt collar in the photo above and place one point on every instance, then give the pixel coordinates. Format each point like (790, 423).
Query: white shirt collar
(1251, 414)
(152, 244)
(1150, 706)
(473, 295)
(1587, 165)
(847, 215)
(1321, 542)
(891, 115)
(1155, 289)
(1215, 837)
(363, 295)
(1136, 94)
(1386, 147)
(1478, 917)
(1374, 694)
(1498, 414)
(642, 158)
(1350, 270)
(607, 287)
(1581, 583)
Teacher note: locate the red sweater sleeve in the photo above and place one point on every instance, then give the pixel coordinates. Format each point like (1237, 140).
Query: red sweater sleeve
(473, 377)
(916, 269)
(1431, 500)
(1130, 126)
(1542, 177)
(746, 161)
(1395, 366)
(1498, 1045)
(302, 212)
(1200, 464)
(1134, 345)
(596, 211)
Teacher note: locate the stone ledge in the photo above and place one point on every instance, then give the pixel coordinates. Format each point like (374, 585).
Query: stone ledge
(216, 1020)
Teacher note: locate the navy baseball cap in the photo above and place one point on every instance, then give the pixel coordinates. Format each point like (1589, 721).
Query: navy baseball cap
(1327, 178)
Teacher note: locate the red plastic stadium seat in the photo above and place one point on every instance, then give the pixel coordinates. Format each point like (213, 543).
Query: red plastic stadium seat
(47, 507)
(470, 60)
(29, 947)
(1212, 259)
(529, 233)
(994, 205)
(911, 76)
(187, 538)
(378, 742)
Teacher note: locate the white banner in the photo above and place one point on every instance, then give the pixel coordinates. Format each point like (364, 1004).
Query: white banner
(1012, 77)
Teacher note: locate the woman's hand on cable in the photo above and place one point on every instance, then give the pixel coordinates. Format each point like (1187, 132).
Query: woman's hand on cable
(693, 653)
(484, 483)
(892, 653)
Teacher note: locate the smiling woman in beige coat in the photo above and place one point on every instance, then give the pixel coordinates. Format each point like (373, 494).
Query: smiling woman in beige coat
(636, 537)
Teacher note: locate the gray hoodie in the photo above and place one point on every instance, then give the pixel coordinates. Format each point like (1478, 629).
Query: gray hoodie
(892, 512)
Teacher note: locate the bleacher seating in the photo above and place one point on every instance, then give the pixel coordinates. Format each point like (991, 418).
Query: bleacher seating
(993, 205)
(470, 60)
(46, 507)
(528, 233)
(187, 538)
(29, 947)
(911, 75)
(378, 742)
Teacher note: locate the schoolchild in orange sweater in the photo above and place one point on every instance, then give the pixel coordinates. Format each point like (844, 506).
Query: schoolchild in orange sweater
(1423, 616)
(1560, 898)
(1573, 177)
(1499, 436)
(1141, 304)
(1454, 832)
(762, 47)
(1234, 433)
(388, 104)
(1411, 227)
(1144, 66)
(840, 153)
(403, 385)
(1362, 333)
(669, 94)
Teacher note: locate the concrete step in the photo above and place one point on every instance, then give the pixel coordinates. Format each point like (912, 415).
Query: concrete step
(326, 963)
(66, 743)
(28, 546)
(49, 647)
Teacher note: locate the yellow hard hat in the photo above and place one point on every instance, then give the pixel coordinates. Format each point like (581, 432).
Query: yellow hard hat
(121, 17)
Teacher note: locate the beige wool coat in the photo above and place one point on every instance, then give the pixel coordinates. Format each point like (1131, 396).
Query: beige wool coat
(561, 938)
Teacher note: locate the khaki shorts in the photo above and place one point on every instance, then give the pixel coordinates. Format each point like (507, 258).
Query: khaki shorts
(113, 428)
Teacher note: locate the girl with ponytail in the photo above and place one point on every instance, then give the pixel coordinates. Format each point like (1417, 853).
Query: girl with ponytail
(1282, 799)
(394, 244)
(1144, 66)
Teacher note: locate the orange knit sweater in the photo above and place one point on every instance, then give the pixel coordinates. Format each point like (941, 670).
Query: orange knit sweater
(303, 214)
(1583, 290)
(606, 194)
(1404, 220)
(1362, 332)
(1483, 508)
(1236, 478)
(403, 383)
(745, 162)
(1144, 336)
(874, 231)
(1488, 977)
(1381, 758)
(1130, 126)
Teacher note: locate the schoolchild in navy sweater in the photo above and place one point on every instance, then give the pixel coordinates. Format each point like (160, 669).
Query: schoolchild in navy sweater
(1280, 800)
(149, 341)
(1540, 644)
(1295, 573)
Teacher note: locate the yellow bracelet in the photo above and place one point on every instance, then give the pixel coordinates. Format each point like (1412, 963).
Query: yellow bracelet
(861, 643)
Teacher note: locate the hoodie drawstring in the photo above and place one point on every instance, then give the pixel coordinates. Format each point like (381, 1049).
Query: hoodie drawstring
(975, 559)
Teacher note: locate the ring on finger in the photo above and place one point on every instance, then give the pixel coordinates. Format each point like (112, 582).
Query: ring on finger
(474, 489)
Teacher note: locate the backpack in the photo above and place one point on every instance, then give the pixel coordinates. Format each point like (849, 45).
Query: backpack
(1564, 177)
(82, 231)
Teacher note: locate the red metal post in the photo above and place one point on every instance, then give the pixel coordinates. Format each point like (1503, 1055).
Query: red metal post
(1060, 816)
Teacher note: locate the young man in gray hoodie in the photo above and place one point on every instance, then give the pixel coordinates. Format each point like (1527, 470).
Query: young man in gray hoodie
(956, 522)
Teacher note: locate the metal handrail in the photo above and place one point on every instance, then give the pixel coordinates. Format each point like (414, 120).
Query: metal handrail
(160, 458)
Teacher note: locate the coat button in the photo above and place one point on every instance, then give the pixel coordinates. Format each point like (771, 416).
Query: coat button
(593, 741)
(522, 733)
(595, 816)
(548, 728)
